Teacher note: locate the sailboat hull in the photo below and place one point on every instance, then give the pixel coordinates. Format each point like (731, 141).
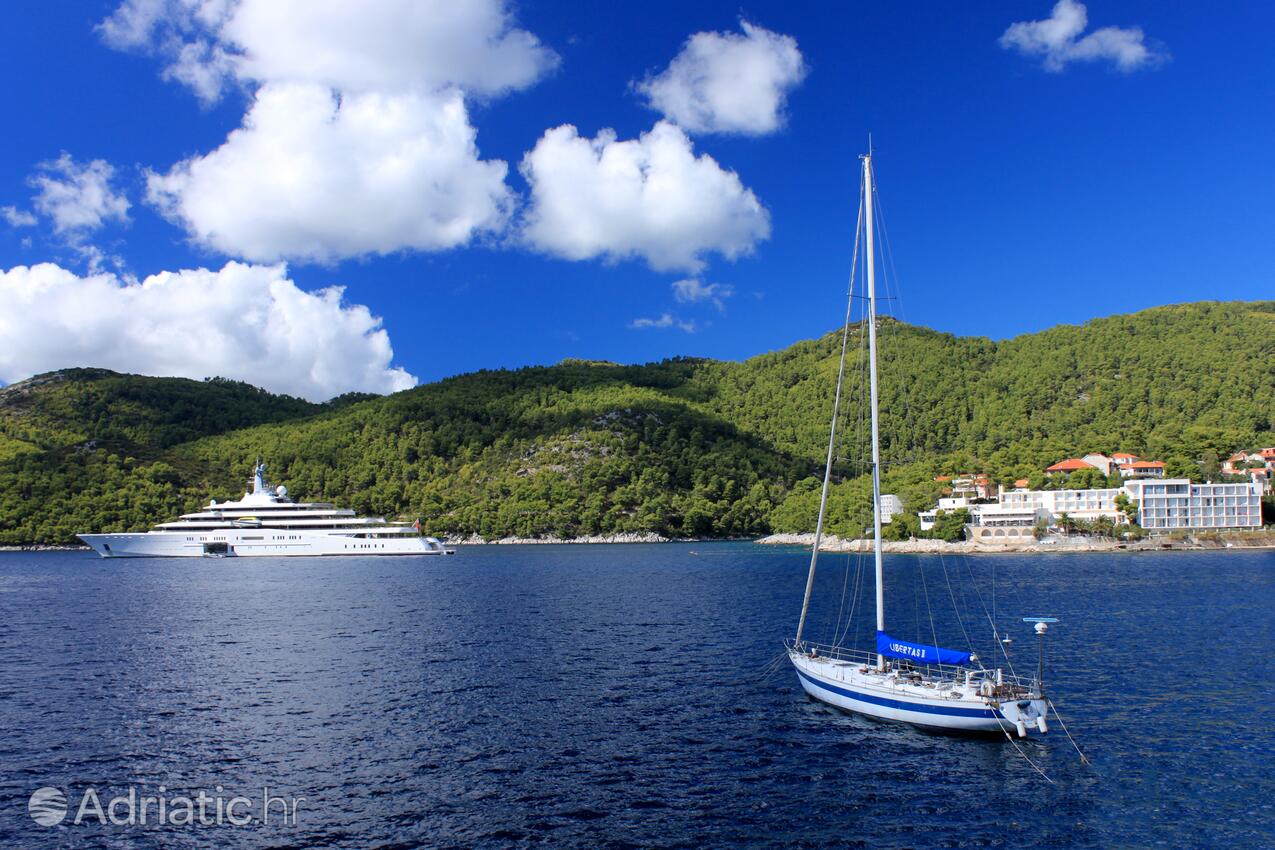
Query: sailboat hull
(887, 697)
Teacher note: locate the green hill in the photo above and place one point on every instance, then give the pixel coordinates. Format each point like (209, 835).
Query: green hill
(685, 447)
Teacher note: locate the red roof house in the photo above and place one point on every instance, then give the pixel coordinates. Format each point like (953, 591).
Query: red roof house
(1071, 464)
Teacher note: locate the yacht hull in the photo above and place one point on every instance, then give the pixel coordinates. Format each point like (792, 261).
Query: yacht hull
(257, 542)
(879, 695)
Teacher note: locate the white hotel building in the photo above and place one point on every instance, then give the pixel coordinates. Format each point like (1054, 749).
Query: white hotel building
(1163, 505)
(1077, 504)
(1176, 503)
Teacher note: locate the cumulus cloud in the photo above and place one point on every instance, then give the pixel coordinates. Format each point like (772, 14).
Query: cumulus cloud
(77, 197)
(382, 46)
(666, 320)
(692, 290)
(357, 140)
(244, 321)
(728, 82)
(650, 197)
(1055, 39)
(390, 45)
(317, 177)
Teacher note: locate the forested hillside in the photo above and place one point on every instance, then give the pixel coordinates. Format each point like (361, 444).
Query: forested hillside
(686, 447)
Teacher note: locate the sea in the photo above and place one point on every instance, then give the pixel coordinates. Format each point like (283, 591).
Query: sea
(620, 696)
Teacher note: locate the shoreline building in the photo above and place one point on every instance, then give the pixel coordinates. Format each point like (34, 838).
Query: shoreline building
(1176, 503)
(1163, 505)
(891, 506)
(1077, 504)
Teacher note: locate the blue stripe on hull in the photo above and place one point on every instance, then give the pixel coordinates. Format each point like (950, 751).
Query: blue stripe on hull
(950, 711)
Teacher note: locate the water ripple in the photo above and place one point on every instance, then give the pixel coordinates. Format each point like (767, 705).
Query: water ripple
(618, 697)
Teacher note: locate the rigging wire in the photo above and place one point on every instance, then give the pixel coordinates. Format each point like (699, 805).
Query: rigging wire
(892, 280)
(832, 435)
(929, 608)
(991, 618)
(1026, 757)
(893, 288)
(1084, 759)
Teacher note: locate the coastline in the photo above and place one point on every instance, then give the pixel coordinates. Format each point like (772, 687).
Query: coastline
(630, 537)
(42, 547)
(833, 543)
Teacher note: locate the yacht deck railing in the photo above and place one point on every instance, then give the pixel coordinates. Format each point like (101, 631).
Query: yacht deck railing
(1007, 684)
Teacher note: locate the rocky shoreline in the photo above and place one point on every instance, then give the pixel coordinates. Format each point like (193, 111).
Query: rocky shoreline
(40, 547)
(633, 537)
(832, 543)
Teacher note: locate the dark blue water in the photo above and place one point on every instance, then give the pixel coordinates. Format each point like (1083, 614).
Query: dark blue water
(616, 696)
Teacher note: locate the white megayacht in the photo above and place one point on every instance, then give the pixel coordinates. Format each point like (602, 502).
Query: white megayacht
(265, 522)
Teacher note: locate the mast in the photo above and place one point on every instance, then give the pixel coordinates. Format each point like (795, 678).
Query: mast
(868, 198)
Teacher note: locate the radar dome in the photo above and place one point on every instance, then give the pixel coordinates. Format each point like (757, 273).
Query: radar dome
(281, 491)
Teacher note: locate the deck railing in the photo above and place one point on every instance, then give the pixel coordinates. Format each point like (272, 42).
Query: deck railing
(1009, 684)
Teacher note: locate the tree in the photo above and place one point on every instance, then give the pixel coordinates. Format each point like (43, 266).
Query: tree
(1181, 467)
(950, 526)
(1086, 479)
(904, 526)
(1128, 506)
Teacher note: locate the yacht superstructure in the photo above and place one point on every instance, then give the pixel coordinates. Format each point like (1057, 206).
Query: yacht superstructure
(265, 522)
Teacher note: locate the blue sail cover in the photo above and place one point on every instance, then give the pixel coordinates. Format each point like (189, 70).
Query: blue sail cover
(919, 652)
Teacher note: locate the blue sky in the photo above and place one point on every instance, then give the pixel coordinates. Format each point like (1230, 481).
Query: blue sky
(1022, 188)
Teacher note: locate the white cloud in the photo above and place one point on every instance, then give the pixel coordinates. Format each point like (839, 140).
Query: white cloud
(184, 33)
(666, 320)
(17, 217)
(728, 83)
(692, 290)
(649, 197)
(381, 46)
(357, 140)
(1055, 39)
(246, 322)
(319, 178)
(77, 197)
(389, 45)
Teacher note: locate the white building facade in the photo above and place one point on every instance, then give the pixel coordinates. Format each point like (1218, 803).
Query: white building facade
(1163, 505)
(1077, 504)
(891, 506)
(1176, 503)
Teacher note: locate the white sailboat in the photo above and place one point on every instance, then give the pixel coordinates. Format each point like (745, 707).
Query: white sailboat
(921, 684)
